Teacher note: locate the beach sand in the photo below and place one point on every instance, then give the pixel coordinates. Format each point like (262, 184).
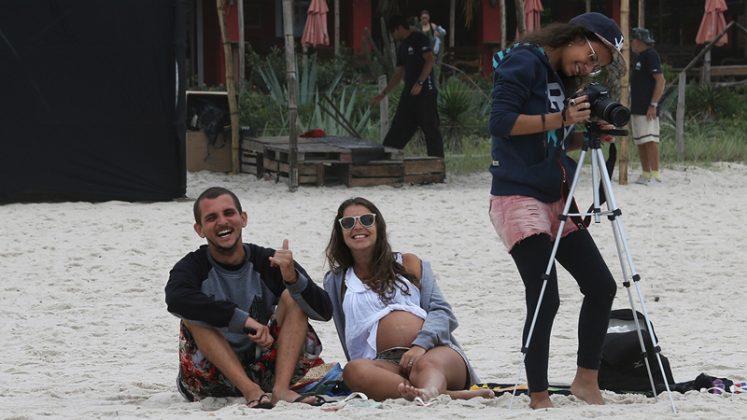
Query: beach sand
(85, 332)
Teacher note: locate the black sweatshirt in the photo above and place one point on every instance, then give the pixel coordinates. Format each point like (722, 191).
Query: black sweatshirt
(207, 293)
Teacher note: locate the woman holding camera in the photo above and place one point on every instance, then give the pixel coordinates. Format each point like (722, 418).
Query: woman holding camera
(532, 124)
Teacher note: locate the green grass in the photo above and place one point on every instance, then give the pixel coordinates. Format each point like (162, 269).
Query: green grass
(705, 143)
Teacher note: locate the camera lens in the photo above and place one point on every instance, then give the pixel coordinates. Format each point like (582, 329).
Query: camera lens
(617, 115)
(610, 111)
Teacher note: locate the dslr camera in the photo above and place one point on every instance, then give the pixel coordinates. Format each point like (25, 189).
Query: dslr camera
(603, 107)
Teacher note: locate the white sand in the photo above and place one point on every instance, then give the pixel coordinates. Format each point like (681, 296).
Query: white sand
(85, 332)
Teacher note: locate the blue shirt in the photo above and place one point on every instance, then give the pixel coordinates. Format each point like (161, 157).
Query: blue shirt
(531, 165)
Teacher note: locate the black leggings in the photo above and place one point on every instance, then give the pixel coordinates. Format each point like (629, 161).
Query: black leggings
(578, 254)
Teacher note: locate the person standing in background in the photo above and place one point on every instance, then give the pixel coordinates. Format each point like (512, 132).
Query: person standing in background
(434, 31)
(418, 104)
(646, 89)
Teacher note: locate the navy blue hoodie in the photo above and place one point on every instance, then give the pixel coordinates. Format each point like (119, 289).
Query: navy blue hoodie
(533, 165)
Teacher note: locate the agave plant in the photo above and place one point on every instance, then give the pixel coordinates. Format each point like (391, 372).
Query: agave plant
(456, 104)
(340, 115)
(307, 84)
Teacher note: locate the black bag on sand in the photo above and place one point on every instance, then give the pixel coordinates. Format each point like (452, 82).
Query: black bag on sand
(622, 367)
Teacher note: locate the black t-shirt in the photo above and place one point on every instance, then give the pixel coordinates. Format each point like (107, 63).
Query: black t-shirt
(410, 55)
(642, 81)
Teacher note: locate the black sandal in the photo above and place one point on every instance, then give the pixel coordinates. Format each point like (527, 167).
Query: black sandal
(264, 402)
(318, 400)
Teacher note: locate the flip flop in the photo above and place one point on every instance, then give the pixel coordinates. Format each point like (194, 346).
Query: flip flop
(263, 402)
(317, 402)
(353, 397)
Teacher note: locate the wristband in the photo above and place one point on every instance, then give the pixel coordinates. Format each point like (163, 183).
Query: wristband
(421, 82)
(654, 104)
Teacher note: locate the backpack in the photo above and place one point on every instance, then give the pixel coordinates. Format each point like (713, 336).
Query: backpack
(622, 367)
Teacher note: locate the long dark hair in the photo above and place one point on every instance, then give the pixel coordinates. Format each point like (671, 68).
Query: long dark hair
(386, 271)
(559, 35)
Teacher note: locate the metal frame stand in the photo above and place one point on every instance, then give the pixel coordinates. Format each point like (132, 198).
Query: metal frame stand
(599, 174)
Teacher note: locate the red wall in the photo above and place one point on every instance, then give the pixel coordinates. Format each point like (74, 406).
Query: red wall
(215, 62)
(361, 18)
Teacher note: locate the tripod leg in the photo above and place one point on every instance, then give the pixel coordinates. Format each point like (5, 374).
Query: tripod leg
(629, 273)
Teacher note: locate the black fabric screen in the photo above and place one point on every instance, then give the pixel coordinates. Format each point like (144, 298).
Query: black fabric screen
(92, 100)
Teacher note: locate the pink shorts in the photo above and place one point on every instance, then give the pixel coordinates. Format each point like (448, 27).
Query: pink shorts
(516, 217)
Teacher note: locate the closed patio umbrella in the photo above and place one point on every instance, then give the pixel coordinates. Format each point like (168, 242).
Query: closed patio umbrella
(711, 25)
(315, 30)
(532, 11)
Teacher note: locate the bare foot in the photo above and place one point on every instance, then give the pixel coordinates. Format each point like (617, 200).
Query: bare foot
(410, 392)
(589, 394)
(467, 394)
(539, 400)
(585, 386)
(284, 395)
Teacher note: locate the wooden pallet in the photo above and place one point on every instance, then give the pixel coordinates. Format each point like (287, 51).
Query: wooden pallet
(424, 170)
(308, 173)
(252, 163)
(337, 160)
(382, 172)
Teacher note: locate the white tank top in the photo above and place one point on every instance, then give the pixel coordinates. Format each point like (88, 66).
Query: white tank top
(364, 309)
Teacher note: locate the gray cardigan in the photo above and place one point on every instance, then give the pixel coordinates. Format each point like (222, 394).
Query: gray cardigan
(437, 328)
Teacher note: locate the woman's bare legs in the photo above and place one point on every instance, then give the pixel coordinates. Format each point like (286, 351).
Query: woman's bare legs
(378, 379)
(440, 370)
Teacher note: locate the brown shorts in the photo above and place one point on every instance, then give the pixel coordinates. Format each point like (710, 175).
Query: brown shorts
(393, 354)
(199, 378)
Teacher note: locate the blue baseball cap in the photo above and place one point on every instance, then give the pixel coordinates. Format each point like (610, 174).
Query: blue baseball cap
(608, 33)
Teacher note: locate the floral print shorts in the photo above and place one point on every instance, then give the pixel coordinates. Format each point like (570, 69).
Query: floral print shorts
(198, 378)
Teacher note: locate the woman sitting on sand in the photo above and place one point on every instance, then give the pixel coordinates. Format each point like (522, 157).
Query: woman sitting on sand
(393, 322)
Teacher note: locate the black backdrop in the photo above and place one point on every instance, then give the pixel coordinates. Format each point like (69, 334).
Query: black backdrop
(92, 100)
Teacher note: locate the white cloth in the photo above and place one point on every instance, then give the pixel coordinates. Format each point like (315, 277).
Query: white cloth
(364, 309)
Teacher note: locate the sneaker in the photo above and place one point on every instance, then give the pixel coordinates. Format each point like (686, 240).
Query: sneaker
(643, 180)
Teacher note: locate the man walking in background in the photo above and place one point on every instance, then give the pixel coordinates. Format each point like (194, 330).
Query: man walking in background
(647, 87)
(418, 104)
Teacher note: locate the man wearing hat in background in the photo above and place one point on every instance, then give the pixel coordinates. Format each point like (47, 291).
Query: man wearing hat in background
(647, 86)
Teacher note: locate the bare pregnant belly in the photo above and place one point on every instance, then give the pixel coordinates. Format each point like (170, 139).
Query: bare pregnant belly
(397, 329)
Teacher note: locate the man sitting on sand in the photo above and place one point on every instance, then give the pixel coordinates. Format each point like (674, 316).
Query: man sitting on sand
(244, 310)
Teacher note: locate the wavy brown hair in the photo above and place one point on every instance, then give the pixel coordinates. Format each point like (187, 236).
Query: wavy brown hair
(386, 270)
(559, 35)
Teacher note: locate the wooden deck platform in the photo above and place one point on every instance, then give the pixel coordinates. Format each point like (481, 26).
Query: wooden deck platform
(338, 160)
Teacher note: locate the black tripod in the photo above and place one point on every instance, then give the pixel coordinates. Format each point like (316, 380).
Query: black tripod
(599, 174)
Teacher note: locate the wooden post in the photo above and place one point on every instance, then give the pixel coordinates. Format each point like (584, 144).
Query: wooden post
(452, 22)
(520, 24)
(242, 44)
(588, 6)
(680, 131)
(233, 107)
(337, 28)
(624, 157)
(503, 24)
(706, 73)
(390, 49)
(641, 13)
(292, 78)
(383, 109)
